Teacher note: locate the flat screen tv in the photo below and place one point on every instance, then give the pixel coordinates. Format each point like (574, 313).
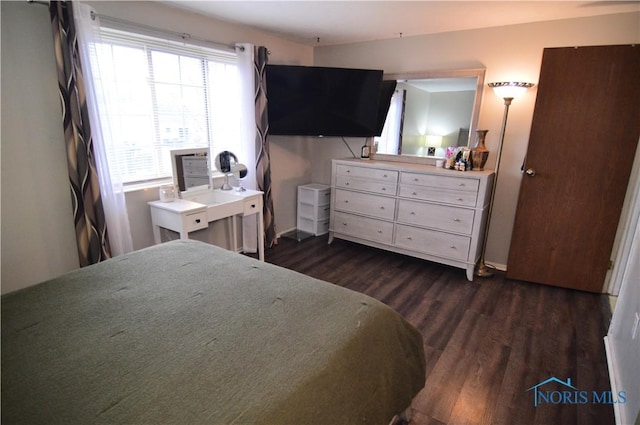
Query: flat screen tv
(322, 101)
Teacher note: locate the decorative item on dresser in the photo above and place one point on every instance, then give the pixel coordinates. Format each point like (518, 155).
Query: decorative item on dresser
(413, 209)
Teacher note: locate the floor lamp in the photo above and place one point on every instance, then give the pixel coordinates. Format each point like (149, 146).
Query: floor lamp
(507, 91)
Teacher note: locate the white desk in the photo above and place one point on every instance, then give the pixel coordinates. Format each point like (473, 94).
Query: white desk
(195, 211)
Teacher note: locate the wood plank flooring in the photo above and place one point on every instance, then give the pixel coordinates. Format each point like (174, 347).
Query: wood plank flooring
(486, 342)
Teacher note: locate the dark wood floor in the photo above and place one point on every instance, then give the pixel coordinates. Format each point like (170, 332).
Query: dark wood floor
(486, 342)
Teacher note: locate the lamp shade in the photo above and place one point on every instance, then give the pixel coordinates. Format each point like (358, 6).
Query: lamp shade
(510, 89)
(433, 141)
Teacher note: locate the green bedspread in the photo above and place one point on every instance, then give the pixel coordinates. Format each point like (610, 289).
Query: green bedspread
(188, 333)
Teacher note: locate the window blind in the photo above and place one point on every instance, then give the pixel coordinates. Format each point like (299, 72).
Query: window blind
(157, 95)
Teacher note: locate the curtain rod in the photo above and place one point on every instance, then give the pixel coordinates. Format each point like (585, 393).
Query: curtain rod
(182, 35)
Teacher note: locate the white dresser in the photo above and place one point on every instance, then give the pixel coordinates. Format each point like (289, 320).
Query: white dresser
(412, 209)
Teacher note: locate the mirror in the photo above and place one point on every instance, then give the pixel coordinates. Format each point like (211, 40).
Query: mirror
(227, 163)
(429, 112)
(190, 169)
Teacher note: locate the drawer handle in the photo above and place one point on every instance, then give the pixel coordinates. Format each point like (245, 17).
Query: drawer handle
(412, 213)
(327, 209)
(346, 184)
(197, 220)
(384, 175)
(409, 238)
(380, 231)
(348, 171)
(457, 220)
(414, 193)
(381, 208)
(453, 247)
(415, 179)
(346, 201)
(253, 205)
(383, 189)
(460, 199)
(462, 185)
(344, 223)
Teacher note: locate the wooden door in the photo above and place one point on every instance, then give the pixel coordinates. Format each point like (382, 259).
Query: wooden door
(584, 134)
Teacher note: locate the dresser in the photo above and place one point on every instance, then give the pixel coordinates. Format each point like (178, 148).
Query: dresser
(412, 209)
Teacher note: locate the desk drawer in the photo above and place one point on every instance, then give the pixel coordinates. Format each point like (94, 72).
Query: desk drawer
(252, 206)
(196, 221)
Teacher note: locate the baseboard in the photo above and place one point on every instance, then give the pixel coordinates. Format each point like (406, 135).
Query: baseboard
(612, 377)
(497, 266)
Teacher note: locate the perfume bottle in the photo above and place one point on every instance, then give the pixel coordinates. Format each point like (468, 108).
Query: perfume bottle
(365, 151)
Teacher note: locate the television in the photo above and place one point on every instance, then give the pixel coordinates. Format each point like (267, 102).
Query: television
(322, 101)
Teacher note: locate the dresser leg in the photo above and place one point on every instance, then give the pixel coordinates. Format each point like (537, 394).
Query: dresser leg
(470, 271)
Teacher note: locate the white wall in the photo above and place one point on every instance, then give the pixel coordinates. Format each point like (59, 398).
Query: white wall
(510, 53)
(38, 237)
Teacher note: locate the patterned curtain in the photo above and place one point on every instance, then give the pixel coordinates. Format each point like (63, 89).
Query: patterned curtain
(263, 165)
(90, 224)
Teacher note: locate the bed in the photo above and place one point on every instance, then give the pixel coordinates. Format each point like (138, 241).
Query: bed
(189, 333)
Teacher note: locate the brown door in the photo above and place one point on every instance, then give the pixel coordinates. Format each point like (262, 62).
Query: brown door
(584, 135)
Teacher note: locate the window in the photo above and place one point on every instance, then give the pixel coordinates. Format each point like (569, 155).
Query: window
(158, 95)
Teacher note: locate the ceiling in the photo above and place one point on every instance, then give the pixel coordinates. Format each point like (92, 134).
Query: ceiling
(337, 22)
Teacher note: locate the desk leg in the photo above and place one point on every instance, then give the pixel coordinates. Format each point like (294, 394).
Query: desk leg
(156, 234)
(234, 234)
(261, 235)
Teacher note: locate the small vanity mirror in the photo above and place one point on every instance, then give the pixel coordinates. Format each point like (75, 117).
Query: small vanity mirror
(429, 112)
(191, 169)
(227, 163)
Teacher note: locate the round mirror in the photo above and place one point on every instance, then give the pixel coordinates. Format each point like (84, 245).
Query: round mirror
(227, 163)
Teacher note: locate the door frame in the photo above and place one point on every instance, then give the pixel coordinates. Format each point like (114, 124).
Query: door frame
(625, 232)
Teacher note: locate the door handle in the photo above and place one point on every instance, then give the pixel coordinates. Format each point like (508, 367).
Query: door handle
(530, 172)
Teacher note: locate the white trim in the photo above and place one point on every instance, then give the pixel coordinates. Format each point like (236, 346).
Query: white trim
(626, 227)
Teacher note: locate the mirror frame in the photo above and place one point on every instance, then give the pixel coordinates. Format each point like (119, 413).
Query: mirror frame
(478, 73)
(176, 156)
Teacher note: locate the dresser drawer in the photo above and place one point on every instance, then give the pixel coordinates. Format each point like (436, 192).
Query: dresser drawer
(366, 173)
(373, 186)
(445, 182)
(363, 227)
(433, 242)
(427, 193)
(196, 221)
(459, 220)
(364, 203)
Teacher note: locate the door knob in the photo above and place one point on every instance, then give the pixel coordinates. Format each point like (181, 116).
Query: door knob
(530, 172)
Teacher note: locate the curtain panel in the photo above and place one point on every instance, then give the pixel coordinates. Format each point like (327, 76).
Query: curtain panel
(89, 219)
(263, 166)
